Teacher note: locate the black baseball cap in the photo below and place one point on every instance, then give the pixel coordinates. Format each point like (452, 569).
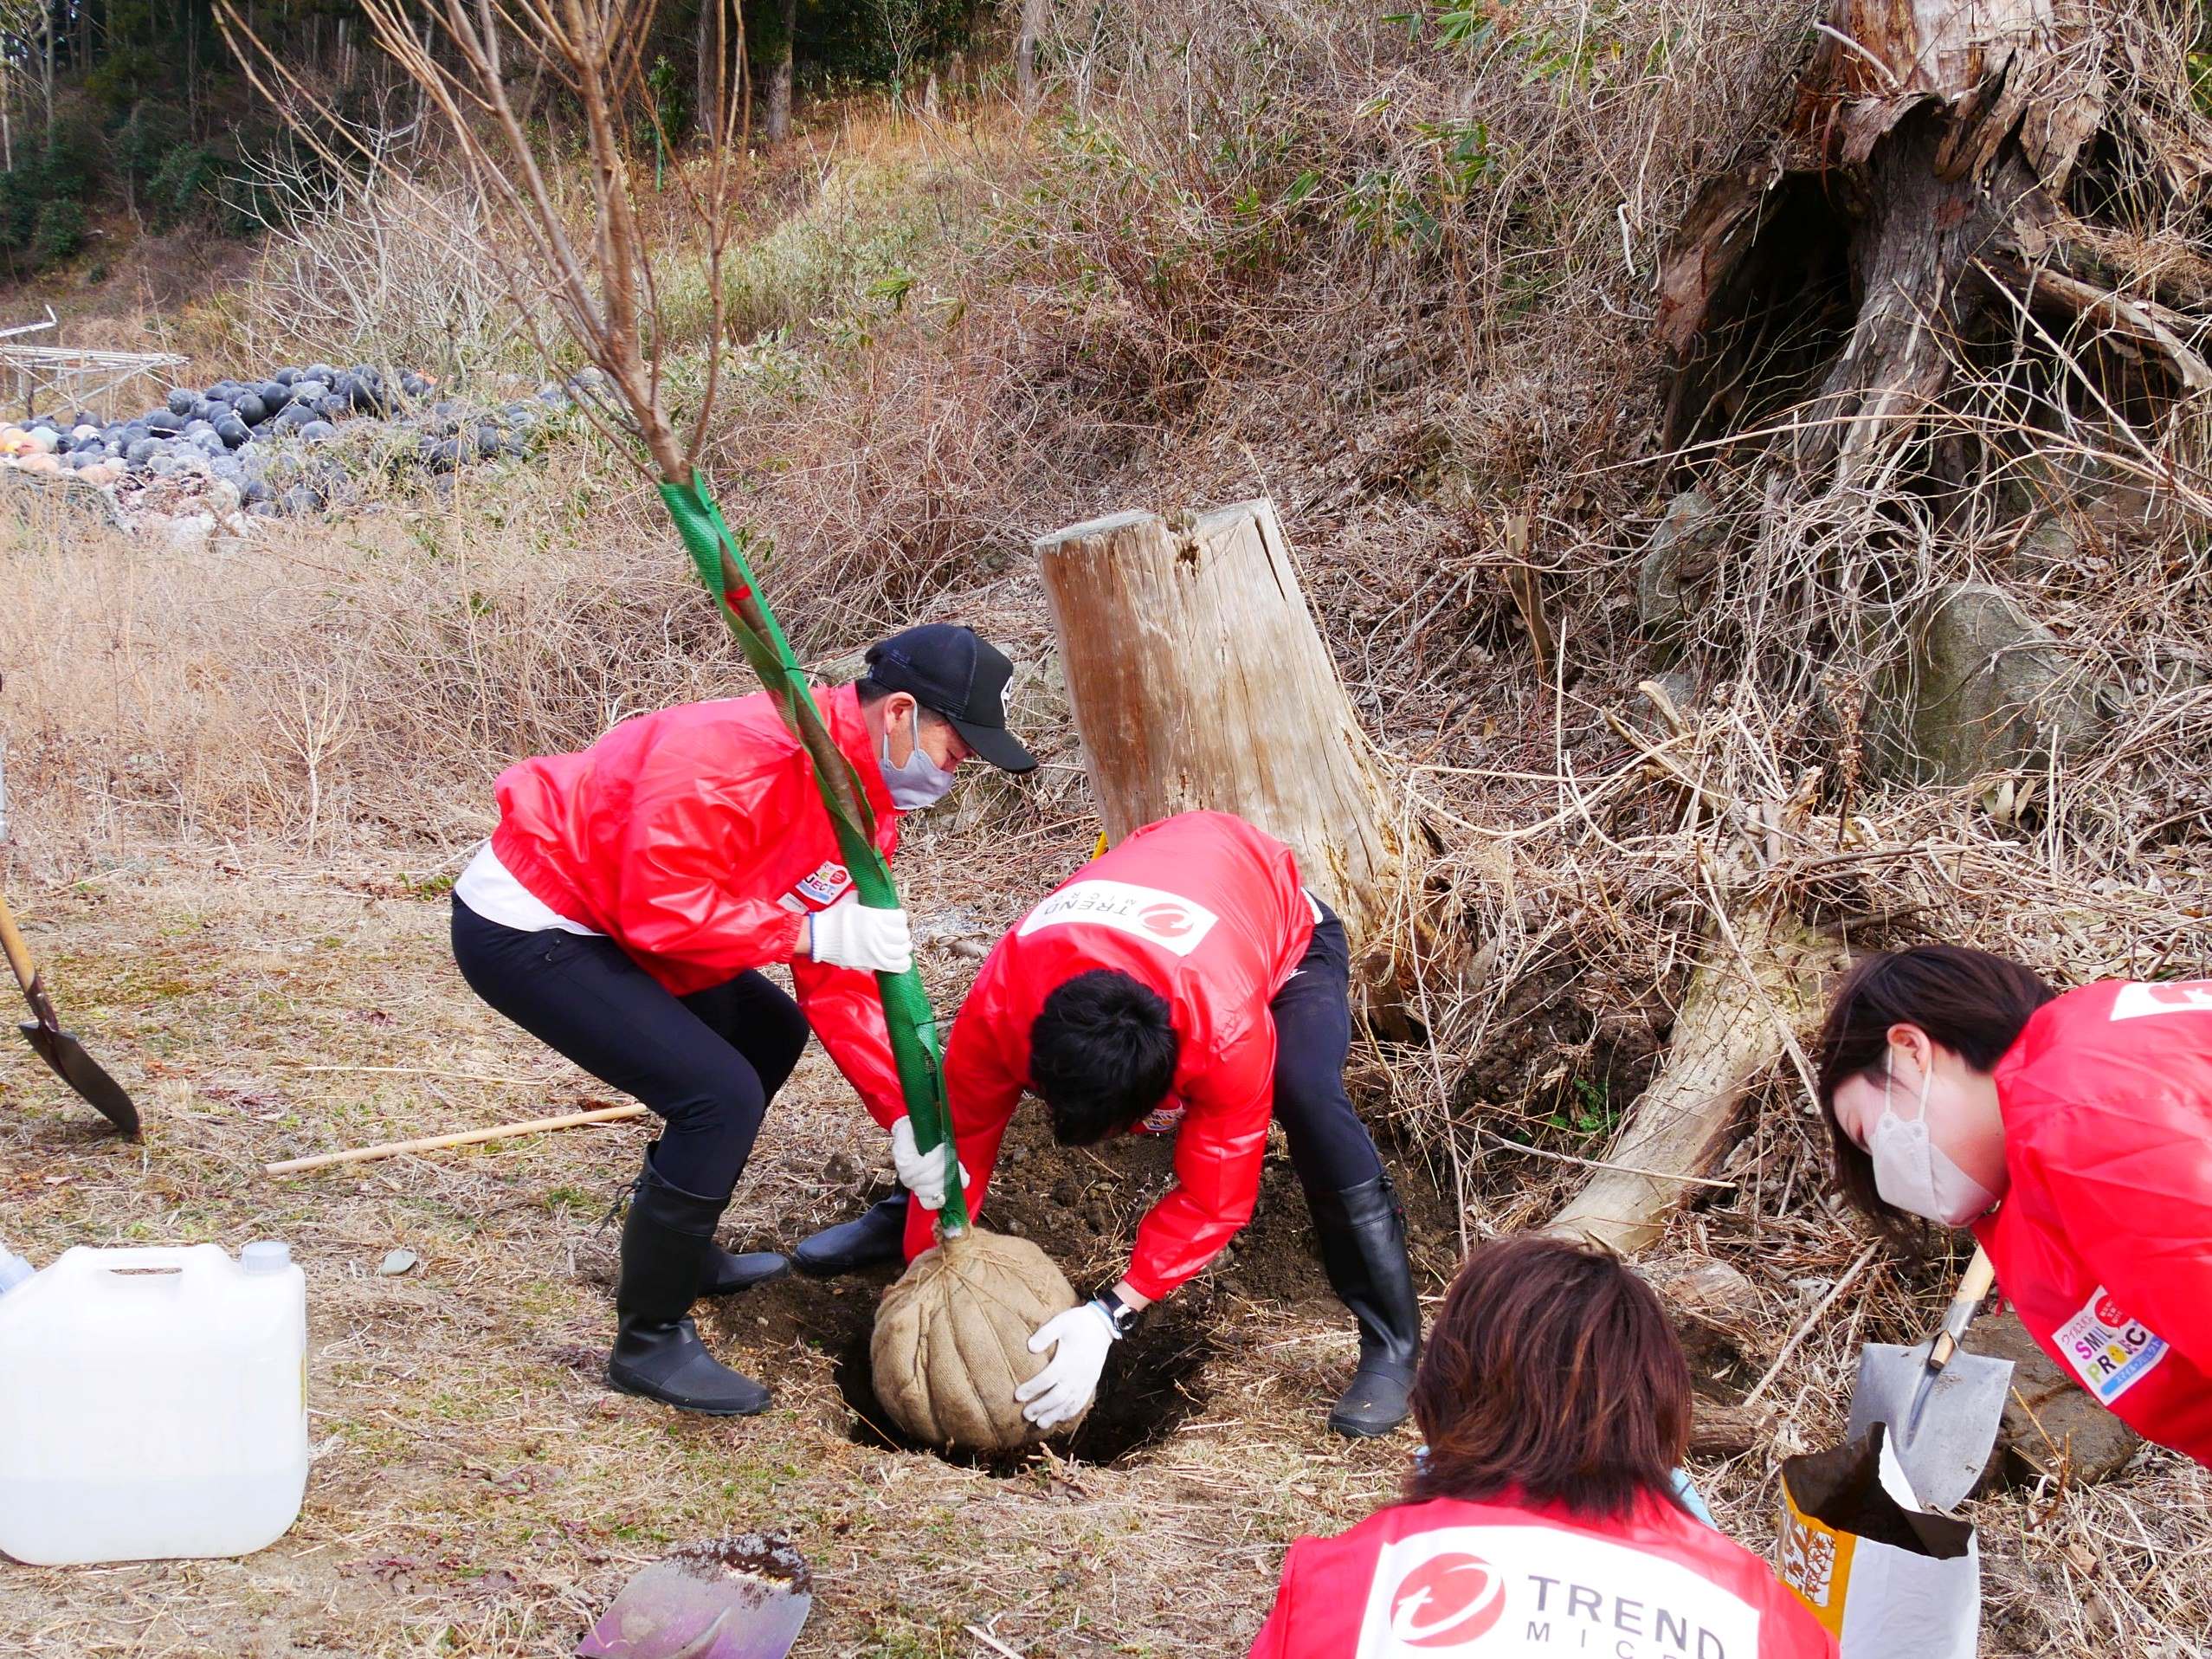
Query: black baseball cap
(950, 671)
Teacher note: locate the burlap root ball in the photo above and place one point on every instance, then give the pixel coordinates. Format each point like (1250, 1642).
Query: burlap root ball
(952, 1341)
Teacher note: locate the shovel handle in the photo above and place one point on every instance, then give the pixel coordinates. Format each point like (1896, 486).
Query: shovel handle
(1981, 1274)
(18, 953)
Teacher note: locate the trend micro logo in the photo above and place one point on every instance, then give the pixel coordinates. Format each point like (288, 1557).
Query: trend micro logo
(1447, 1601)
(1169, 921)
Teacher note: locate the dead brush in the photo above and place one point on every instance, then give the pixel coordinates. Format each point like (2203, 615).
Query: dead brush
(355, 264)
(263, 692)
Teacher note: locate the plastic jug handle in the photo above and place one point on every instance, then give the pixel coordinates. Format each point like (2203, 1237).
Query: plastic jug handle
(143, 1258)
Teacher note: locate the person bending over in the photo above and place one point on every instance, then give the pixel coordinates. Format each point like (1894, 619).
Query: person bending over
(2072, 1132)
(1186, 984)
(1543, 1517)
(624, 908)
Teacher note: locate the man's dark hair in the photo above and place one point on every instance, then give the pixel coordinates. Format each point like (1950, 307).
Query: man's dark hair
(1102, 1054)
(1553, 1374)
(872, 692)
(1972, 1003)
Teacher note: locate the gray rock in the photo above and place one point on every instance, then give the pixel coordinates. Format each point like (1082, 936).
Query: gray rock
(1715, 1311)
(1976, 687)
(2050, 1420)
(1680, 552)
(2052, 547)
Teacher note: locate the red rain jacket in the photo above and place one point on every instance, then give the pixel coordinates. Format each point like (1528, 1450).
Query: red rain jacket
(696, 839)
(2104, 1241)
(1209, 913)
(1512, 1580)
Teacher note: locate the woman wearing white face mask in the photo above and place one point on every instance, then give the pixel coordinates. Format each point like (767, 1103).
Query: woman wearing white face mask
(2072, 1132)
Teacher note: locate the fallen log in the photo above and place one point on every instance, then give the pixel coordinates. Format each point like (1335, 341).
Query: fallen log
(1761, 981)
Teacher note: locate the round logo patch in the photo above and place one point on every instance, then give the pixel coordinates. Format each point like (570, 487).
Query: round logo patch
(1448, 1602)
(1171, 921)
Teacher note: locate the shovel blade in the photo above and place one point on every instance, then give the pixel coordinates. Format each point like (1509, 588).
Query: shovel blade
(1944, 1441)
(738, 1598)
(83, 1073)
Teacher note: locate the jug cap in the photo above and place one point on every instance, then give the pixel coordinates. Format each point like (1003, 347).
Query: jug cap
(265, 1256)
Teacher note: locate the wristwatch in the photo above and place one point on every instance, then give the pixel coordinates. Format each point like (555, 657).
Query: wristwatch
(1119, 1314)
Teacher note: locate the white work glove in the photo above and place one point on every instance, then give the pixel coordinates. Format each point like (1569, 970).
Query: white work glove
(850, 935)
(922, 1173)
(1079, 1339)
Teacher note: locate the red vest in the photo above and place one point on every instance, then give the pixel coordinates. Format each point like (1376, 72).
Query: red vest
(695, 839)
(1209, 913)
(1506, 1580)
(2104, 1241)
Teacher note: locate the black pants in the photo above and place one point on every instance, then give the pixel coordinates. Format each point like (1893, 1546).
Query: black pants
(1329, 1145)
(708, 1063)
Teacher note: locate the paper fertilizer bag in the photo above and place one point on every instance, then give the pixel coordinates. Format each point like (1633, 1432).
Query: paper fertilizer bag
(1886, 1577)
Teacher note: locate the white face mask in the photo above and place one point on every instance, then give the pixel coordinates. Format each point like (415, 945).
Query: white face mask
(1912, 1172)
(921, 782)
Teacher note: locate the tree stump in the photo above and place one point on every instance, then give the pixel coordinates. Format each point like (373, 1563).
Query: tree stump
(1198, 681)
(1917, 214)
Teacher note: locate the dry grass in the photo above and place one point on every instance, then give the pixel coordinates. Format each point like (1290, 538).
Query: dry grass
(230, 773)
(476, 1487)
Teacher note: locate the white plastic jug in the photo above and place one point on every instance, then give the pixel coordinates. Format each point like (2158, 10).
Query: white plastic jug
(153, 1402)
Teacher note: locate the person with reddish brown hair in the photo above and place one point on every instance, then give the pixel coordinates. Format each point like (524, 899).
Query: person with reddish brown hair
(2072, 1132)
(1543, 1517)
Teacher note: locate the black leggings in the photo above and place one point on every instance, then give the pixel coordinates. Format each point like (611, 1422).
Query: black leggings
(1329, 1145)
(708, 1063)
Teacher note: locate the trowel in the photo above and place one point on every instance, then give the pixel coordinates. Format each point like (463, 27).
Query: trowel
(55, 1046)
(742, 1597)
(1942, 1406)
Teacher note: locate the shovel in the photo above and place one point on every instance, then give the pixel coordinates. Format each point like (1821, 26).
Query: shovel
(1943, 1407)
(742, 1597)
(61, 1050)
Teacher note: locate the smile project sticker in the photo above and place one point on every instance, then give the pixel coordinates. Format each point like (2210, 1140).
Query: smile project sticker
(2108, 1350)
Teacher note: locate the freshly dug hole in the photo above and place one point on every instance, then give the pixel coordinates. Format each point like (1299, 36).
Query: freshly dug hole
(951, 1341)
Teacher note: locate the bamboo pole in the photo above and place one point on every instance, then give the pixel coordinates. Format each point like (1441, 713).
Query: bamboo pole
(465, 1138)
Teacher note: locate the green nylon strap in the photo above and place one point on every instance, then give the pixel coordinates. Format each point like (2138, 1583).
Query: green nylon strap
(720, 557)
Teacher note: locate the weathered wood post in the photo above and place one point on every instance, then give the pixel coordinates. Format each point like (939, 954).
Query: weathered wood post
(1199, 680)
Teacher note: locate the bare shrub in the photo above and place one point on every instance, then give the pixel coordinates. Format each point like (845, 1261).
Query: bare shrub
(358, 265)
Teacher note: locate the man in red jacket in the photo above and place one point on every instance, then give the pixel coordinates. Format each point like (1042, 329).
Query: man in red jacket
(624, 908)
(2072, 1132)
(1186, 983)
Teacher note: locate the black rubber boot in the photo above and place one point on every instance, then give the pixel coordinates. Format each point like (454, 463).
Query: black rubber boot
(879, 1235)
(724, 1274)
(666, 1240)
(1363, 1247)
(727, 1274)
